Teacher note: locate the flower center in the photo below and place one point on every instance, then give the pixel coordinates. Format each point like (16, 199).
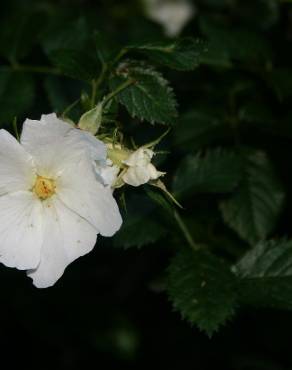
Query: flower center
(44, 188)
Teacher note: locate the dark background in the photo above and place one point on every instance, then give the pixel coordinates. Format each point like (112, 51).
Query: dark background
(109, 309)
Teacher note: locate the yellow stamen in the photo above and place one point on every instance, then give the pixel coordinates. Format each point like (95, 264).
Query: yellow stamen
(44, 188)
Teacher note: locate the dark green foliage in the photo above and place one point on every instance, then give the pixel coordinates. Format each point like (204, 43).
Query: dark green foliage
(253, 210)
(183, 54)
(218, 171)
(266, 275)
(16, 95)
(141, 225)
(202, 288)
(149, 97)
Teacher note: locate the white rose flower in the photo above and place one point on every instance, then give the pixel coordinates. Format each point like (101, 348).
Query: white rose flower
(107, 172)
(52, 205)
(140, 170)
(173, 15)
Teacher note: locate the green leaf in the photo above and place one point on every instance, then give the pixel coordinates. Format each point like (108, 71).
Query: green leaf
(160, 199)
(253, 210)
(16, 95)
(233, 44)
(199, 127)
(19, 34)
(265, 274)
(281, 81)
(76, 64)
(150, 97)
(63, 34)
(218, 171)
(140, 225)
(182, 54)
(202, 288)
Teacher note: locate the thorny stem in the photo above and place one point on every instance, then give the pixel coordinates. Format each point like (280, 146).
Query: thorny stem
(185, 231)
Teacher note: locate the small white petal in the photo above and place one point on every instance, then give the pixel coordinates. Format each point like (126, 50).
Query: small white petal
(140, 157)
(153, 173)
(67, 236)
(16, 166)
(80, 191)
(136, 176)
(21, 233)
(106, 173)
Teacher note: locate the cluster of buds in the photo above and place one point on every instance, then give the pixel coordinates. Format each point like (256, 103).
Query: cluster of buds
(123, 165)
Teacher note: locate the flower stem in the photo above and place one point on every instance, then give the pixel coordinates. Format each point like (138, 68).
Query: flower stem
(185, 231)
(120, 88)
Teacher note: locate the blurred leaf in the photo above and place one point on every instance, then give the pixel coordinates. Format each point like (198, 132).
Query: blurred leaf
(202, 288)
(239, 44)
(56, 94)
(16, 95)
(150, 97)
(182, 54)
(76, 64)
(263, 13)
(218, 171)
(19, 34)
(160, 198)
(281, 81)
(253, 210)
(266, 274)
(199, 127)
(62, 33)
(257, 112)
(140, 226)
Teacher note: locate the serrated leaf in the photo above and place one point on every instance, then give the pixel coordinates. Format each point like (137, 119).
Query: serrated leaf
(253, 210)
(265, 274)
(16, 95)
(150, 97)
(218, 171)
(202, 288)
(182, 54)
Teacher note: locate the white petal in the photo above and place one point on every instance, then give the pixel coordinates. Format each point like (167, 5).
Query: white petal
(67, 236)
(79, 189)
(97, 149)
(54, 143)
(136, 176)
(21, 233)
(16, 166)
(141, 157)
(106, 173)
(153, 173)
(37, 133)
